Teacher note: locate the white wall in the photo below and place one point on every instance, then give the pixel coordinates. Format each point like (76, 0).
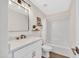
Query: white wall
(72, 24)
(73, 13)
(35, 12)
(3, 29)
(58, 29)
(17, 21)
(77, 23)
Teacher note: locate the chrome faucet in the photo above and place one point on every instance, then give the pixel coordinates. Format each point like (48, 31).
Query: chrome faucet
(21, 37)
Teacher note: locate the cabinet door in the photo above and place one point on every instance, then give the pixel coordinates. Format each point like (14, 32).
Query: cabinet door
(25, 52)
(31, 51)
(10, 55)
(37, 51)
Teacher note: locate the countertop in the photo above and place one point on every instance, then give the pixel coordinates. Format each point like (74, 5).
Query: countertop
(17, 44)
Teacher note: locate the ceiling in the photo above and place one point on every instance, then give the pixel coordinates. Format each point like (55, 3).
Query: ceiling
(49, 7)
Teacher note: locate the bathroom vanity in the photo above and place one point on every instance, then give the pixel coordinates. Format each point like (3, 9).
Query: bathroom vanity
(25, 48)
(19, 23)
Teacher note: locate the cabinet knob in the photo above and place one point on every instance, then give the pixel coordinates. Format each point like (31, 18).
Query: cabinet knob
(33, 54)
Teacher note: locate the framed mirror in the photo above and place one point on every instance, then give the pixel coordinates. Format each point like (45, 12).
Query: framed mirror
(18, 18)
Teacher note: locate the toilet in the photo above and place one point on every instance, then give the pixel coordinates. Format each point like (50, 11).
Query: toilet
(46, 49)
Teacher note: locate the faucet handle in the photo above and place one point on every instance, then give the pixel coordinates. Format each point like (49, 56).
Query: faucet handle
(17, 38)
(23, 36)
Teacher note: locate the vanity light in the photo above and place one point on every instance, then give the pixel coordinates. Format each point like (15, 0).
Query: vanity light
(19, 1)
(27, 3)
(10, 2)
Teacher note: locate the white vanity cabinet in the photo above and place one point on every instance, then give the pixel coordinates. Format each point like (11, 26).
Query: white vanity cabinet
(32, 50)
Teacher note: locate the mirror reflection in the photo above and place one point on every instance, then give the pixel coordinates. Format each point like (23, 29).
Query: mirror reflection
(18, 17)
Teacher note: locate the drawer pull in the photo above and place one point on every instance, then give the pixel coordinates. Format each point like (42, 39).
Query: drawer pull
(33, 54)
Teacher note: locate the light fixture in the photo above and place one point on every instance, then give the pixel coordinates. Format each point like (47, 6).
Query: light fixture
(27, 3)
(19, 1)
(10, 2)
